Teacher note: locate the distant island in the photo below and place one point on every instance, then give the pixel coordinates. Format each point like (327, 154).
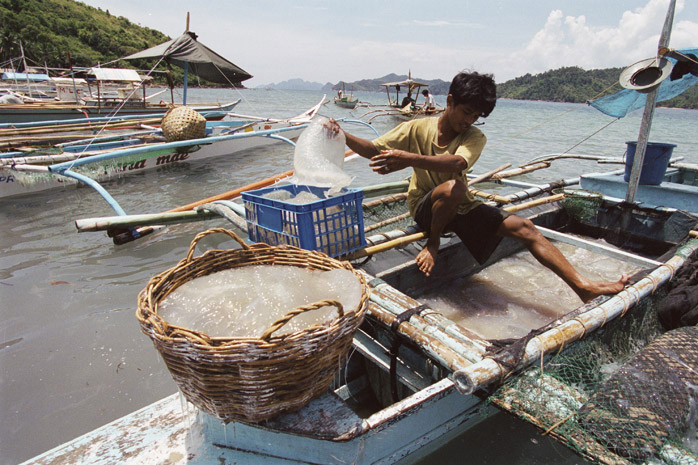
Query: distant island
(569, 84)
(49, 29)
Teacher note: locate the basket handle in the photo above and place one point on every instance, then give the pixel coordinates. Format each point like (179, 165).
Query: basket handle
(297, 311)
(208, 232)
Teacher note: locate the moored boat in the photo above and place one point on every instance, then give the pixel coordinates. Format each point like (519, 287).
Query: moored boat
(405, 108)
(345, 101)
(100, 159)
(396, 396)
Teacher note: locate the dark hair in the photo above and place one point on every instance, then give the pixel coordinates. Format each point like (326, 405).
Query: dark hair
(476, 90)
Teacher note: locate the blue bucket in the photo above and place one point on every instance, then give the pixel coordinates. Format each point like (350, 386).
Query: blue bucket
(654, 165)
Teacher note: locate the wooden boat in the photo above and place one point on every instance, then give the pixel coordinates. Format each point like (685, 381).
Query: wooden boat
(345, 101)
(417, 377)
(57, 111)
(402, 109)
(182, 51)
(28, 171)
(118, 92)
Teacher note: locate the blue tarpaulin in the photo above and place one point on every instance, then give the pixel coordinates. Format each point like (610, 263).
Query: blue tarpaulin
(9, 76)
(627, 100)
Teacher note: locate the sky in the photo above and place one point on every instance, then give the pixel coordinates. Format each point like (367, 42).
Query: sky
(331, 41)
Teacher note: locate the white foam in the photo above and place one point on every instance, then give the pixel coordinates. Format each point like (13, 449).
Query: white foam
(245, 301)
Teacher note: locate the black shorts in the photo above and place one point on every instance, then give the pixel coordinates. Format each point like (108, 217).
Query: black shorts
(477, 229)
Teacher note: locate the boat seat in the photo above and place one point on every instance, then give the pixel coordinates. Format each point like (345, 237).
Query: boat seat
(325, 417)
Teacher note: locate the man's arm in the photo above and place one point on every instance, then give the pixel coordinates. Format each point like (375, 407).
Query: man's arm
(363, 147)
(389, 161)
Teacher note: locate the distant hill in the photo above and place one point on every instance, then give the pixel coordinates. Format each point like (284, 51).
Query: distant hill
(436, 86)
(51, 29)
(569, 84)
(56, 34)
(297, 84)
(573, 84)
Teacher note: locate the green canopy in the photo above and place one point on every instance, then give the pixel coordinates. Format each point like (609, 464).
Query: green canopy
(203, 61)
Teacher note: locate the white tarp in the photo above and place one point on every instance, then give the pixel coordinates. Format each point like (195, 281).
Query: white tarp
(115, 74)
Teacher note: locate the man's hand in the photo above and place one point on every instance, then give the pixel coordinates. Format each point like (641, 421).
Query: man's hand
(332, 128)
(389, 161)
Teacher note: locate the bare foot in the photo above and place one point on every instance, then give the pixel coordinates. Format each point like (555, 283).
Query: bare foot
(597, 288)
(427, 258)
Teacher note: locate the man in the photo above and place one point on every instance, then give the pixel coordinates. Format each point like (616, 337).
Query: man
(408, 100)
(440, 150)
(429, 103)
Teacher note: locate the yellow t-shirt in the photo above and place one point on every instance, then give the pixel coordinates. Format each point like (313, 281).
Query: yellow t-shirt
(420, 136)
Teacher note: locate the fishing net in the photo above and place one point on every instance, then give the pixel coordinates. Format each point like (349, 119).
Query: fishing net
(579, 203)
(624, 395)
(386, 214)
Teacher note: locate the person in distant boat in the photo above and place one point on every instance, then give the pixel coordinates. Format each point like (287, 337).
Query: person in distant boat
(408, 100)
(429, 103)
(339, 94)
(440, 150)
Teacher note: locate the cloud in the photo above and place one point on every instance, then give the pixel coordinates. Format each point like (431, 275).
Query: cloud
(571, 41)
(444, 23)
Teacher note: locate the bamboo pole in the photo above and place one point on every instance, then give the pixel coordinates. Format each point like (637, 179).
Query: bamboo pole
(485, 176)
(519, 171)
(374, 249)
(534, 203)
(77, 127)
(486, 195)
(382, 224)
(236, 192)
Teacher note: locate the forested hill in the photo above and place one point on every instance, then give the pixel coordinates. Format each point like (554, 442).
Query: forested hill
(49, 30)
(576, 85)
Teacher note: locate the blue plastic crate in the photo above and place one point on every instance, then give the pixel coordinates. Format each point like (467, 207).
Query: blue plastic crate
(332, 225)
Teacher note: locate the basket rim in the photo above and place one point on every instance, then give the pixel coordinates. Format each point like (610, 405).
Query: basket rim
(156, 326)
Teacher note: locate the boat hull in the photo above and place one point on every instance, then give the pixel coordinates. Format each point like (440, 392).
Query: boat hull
(27, 113)
(13, 182)
(679, 189)
(168, 429)
(351, 104)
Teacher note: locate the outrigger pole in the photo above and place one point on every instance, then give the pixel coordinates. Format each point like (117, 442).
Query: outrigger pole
(647, 116)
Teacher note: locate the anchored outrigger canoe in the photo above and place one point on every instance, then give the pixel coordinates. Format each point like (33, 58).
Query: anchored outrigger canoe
(416, 378)
(92, 160)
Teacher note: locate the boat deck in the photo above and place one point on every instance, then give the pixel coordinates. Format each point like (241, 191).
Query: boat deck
(678, 190)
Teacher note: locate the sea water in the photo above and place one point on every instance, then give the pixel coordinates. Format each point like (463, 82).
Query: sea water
(72, 356)
(244, 302)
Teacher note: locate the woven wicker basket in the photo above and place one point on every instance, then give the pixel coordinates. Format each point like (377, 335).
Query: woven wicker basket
(183, 123)
(250, 379)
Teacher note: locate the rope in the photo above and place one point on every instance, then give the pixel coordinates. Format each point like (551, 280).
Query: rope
(559, 116)
(113, 115)
(590, 136)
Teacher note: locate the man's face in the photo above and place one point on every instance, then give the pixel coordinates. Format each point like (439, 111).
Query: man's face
(462, 116)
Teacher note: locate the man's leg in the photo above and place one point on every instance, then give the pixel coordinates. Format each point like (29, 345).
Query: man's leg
(549, 256)
(445, 199)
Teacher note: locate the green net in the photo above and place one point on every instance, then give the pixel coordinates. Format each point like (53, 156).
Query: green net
(386, 214)
(626, 394)
(580, 204)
